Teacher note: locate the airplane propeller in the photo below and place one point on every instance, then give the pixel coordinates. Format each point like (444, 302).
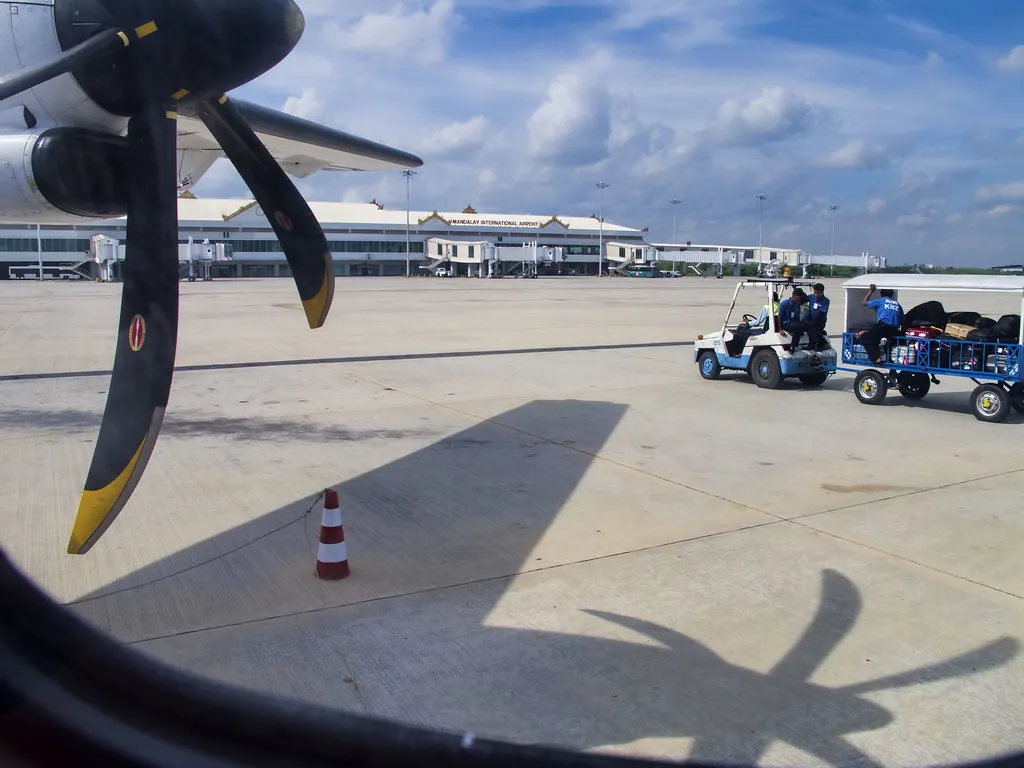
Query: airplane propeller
(161, 54)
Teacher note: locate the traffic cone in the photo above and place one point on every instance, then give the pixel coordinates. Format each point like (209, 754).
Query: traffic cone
(332, 555)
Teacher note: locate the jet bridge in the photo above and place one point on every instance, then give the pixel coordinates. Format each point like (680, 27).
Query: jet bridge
(194, 259)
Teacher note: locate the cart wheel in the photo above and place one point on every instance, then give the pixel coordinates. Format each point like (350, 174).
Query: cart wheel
(870, 387)
(765, 369)
(990, 403)
(913, 386)
(813, 379)
(1017, 397)
(709, 365)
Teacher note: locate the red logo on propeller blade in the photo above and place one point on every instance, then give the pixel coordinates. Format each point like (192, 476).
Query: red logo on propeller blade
(137, 333)
(283, 220)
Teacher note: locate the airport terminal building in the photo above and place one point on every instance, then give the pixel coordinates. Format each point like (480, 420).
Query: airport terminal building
(233, 239)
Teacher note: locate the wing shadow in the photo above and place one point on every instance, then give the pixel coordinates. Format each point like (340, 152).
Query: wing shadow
(469, 507)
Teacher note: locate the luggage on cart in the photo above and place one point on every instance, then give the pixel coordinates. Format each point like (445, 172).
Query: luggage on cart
(959, 330)
(930, 313)
(996, 363)
(934, 344)
(903, 354)
(927, 350)
(1007, 329)
(965, 318)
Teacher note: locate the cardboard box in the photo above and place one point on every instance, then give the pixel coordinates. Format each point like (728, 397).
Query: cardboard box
(958, 330)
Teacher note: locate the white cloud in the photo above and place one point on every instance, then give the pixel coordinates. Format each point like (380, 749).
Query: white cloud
(1013, 60)
(664, 100)
(776, 114)
(1010, 191)
(954, 218)
(689, 24)
(912, 220)
(309, 105)
(355, 195)
(919, 28)
(1001, 210)
(876, 205)
(419, 34)
(573, 125)
(859, 154)
(487, 178)
(458, 140)
(785, 232)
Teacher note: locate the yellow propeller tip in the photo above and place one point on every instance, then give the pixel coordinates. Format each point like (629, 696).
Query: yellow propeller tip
(96, 510)
(316, 321)
(318, 307)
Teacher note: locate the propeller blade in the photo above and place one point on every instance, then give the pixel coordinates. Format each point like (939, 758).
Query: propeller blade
(105, 42)
(147, 331)
(302, 239)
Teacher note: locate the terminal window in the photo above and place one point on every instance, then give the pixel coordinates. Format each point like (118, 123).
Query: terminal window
(49, 245)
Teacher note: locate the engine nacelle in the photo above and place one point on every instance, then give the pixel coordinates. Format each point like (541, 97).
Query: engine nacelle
(62, 175)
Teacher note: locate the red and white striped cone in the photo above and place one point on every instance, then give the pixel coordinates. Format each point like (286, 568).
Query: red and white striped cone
(332, 555)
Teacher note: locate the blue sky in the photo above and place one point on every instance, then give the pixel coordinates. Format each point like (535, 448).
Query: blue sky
(907, 114)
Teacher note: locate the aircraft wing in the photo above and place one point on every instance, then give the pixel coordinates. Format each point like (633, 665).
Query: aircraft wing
(301, 146)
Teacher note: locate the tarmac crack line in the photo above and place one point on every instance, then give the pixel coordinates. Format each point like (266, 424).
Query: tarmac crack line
(797, 522)
(6, 330)
(800, 521)
(917, 492)
(776, 518)
(196, 566)
(467, 414)
(544, 569)
(402, 357)
(905, 559)
(457, 585)
(591, 454)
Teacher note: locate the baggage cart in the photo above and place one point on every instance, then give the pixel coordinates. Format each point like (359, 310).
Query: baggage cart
(914, 360)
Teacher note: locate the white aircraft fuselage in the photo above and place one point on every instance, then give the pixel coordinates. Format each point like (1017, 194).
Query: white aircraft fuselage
(62, 142)
(28, 37)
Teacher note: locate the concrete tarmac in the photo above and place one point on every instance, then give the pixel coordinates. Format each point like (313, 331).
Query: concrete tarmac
(588, 546)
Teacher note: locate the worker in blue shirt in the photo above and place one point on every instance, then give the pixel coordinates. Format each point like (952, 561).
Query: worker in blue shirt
(794, 309)
(889, 321)
(794, 316)
(818, 304)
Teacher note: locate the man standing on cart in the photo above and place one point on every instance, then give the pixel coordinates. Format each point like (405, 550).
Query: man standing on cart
(890, 319)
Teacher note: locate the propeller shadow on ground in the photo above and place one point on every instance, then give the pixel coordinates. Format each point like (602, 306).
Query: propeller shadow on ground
(443, 537)
(584, 692)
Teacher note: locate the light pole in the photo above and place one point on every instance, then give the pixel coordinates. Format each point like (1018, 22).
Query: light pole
(833, 208)
(600, 247)
(760, 227)
(675, 202)
(408, 173)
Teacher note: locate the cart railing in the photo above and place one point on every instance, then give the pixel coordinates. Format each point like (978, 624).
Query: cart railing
(950, 357)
